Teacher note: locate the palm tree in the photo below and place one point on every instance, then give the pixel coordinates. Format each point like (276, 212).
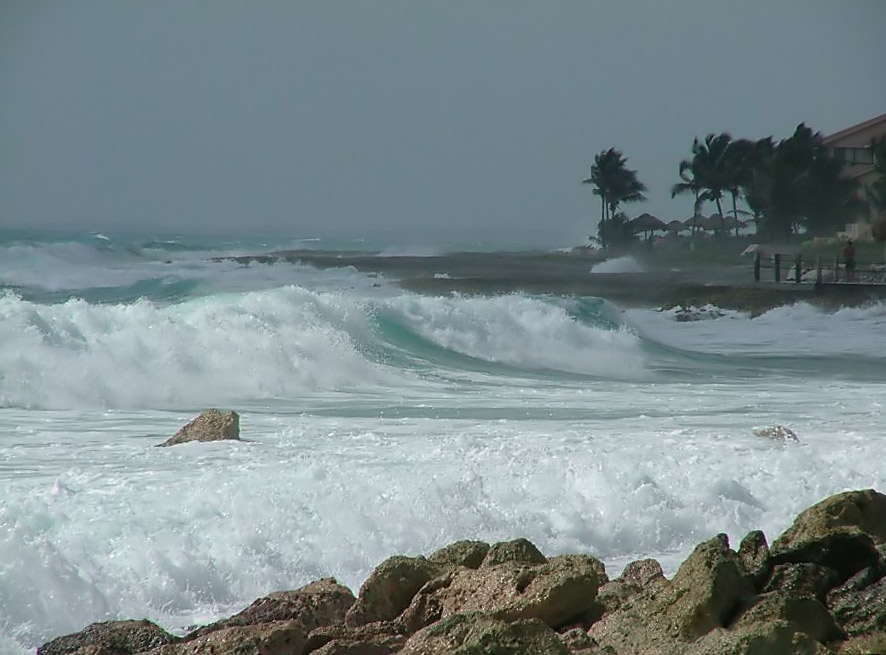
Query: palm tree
(706, 173)
(615, 184)
(737, 163)
(779, 181)
(687, 183)
(797, 184)
(757, 185)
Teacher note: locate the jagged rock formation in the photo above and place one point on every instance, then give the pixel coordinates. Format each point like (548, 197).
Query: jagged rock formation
(210, 425)
(778, 433)
(820, 588)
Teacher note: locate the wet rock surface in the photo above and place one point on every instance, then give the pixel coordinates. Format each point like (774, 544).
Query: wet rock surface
(820, 588)
(210, 425)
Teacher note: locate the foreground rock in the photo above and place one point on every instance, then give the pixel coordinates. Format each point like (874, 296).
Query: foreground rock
(316, 605)
(704, 595)
(210, 425)
(859, 512)
(820, 588)
(275, 638)
(479, 633)
(111, 637)
(515, 581)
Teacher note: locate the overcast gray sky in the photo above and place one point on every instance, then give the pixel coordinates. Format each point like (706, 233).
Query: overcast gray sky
(442, 120)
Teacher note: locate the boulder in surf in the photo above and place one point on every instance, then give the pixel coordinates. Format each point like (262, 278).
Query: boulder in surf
(210, 425)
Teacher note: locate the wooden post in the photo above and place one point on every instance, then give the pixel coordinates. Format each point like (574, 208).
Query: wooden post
(798, 268)
(777, 262)
(757, 267)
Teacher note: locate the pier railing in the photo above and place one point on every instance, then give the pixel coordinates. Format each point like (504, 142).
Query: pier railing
(793, 268)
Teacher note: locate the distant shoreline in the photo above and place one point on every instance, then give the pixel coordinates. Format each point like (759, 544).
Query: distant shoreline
(728, 286)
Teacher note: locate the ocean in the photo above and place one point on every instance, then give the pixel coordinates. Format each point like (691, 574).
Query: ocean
(379, 421)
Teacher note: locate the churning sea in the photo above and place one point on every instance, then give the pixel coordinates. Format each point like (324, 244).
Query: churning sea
(378, 421)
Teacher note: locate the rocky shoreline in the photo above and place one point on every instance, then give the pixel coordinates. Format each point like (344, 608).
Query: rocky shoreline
(819, 588)
(694, 284)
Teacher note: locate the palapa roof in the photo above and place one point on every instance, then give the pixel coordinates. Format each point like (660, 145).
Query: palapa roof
(647, 223)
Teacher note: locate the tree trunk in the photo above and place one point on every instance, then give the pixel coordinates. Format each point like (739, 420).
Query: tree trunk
(735, 211)
(601, 229)
(695, 207)
(720, 212)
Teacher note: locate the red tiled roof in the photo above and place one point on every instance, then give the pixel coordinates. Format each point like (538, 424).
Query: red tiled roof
(855, 128)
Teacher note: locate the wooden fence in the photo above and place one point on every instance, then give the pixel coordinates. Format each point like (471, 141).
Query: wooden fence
(789, 268)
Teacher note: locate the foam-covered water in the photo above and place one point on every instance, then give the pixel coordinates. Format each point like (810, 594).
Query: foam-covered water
(624, 264)
(379, 421)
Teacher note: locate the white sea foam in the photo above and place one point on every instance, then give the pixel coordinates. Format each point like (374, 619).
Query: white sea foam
(795, 330)
(280, 343)
(74, 266)
(113, 528)
(626, 264)
(261, 345)
(351, 457)
(523, 332)
(69, 265)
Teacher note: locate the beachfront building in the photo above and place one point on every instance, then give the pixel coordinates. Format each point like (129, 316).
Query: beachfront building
(852, 146)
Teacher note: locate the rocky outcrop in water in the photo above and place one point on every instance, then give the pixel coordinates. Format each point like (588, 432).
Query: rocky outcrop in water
(820, 588)
(210, 425)
(777, 433)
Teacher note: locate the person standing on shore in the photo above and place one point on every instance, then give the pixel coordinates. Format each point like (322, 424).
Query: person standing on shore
(849, 260)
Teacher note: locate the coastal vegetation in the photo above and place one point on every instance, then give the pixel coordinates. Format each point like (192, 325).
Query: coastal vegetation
(796, 186)
(615, 183)
(790, 187)
(718, 166)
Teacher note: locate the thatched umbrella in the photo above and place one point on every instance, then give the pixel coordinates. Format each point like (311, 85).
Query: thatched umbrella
(716, 223)
(731, 223)
(676, 226)
(647, 223)
(697, 222)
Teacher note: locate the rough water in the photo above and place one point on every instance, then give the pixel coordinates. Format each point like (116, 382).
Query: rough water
(378, 421)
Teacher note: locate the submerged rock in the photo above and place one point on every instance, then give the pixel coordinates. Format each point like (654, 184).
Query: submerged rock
(210, 425)
(778, 433)
(691, 314)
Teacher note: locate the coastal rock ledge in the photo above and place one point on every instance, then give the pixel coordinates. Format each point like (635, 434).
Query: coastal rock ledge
(820, 588)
